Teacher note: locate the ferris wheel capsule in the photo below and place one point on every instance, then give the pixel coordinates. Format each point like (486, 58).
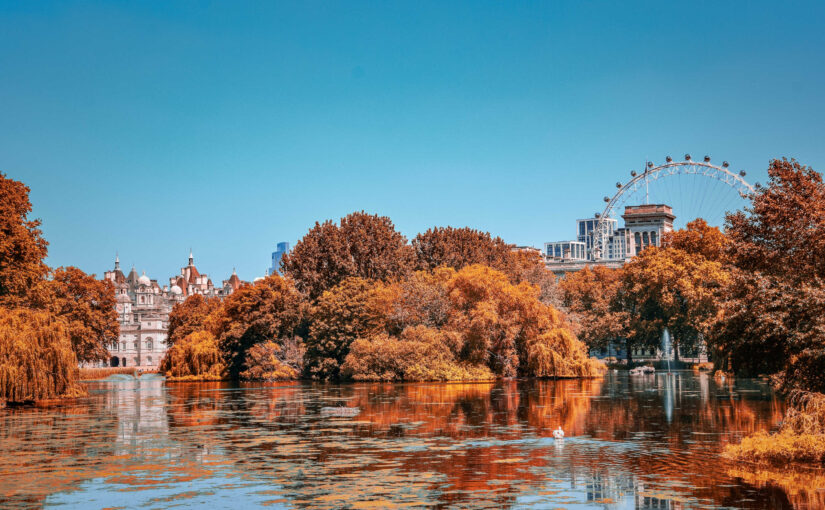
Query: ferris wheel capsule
(687, 157)
(633, 173)
(607, 199)
(707, 159)
(668, 159)
(742, 173)
(725, 164)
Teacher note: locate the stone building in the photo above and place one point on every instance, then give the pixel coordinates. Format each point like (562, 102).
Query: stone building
(143, 310)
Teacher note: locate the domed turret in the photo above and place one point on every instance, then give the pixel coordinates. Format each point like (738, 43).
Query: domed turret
(144, 280)
(123, 298)
(175, 290)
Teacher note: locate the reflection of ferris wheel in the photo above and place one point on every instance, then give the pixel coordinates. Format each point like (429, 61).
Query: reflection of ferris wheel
(694, 189)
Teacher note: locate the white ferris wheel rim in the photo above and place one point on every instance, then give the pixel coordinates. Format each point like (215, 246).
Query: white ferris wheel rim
(653, 173)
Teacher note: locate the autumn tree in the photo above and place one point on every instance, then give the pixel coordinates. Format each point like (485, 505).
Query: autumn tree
(22, 247)
(88, 307)
(269, 310)
(354, 308)
(36, 356)
(594, 299)
(783, 232)
(673, 289)
(195, 313)
(273, 361)
(194, 357)
(774, 317)
(699, 238)
(460, 247)
(528, 266)
(470, 324)
(364, 246)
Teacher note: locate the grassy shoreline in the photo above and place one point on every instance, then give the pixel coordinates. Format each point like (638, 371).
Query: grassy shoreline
(800, 439)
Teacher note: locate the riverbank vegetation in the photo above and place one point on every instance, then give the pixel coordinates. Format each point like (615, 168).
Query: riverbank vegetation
(49, 319)
(800, 439)
(358, 302)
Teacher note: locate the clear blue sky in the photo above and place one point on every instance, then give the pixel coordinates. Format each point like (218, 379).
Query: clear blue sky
(152, 127)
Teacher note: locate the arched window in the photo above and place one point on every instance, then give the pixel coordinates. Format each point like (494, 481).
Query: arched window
(148, 344)
(123, 362)
(123, 345)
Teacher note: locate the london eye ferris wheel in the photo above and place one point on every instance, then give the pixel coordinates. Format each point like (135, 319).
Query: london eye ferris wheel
(693, 189)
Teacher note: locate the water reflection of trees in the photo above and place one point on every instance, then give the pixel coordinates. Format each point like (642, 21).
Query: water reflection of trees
(484, 444)
(457, 443)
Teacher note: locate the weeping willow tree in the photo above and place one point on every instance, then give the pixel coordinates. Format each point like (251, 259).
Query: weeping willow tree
(194, 358)
(36, 357)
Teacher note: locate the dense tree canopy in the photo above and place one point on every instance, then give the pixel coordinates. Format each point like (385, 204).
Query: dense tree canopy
(673, 289)
(593, 299)
(679, 286)
(36, 357)
(774, 314)
(269, 310)
(194, 357)
(49, 320)
(467, 324)
(364, 246)
(195, 313)
(460, 247)
(88, 307)
(22, 247)
(699, 238)
(783, 232)
(354, 308)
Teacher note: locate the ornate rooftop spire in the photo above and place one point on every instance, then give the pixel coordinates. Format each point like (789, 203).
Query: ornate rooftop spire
(191, 258)
(117, 262)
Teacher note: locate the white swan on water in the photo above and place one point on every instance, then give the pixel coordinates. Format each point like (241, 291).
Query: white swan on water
(558, 433)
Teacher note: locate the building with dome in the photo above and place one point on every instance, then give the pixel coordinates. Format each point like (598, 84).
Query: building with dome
(143, 308)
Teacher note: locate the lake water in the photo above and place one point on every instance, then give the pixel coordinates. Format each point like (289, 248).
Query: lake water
(632, 442)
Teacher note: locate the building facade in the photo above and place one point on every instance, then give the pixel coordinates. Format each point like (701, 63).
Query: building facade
(644, 226)
(143, 308)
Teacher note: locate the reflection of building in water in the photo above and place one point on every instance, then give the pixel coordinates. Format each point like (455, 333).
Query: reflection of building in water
(141, 413)
(601, 487)
(143, 310)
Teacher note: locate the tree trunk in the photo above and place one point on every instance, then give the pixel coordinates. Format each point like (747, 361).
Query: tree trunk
(627, 350)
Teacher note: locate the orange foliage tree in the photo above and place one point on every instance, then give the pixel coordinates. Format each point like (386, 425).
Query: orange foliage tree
(22, 247)
(475, 324)
(88, 307)
(364, 245)
(673, 289)
(270, 361)
(194, 357)
(269, 310)
(774, 314)
(593, 298)
(699, 238)
(460, 247)
(36, 357)
(194, 314)
(352, 309)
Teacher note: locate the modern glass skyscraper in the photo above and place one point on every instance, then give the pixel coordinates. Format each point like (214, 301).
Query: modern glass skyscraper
(279, 252)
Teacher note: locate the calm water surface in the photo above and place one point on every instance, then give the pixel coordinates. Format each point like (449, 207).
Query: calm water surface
(633, 442)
